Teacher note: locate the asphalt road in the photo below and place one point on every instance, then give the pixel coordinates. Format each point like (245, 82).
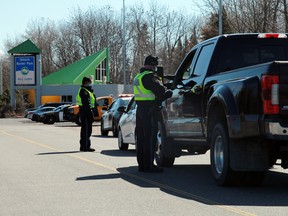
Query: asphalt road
(43, 173)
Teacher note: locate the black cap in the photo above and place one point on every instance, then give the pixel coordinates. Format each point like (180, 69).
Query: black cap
(151, 60)
(86, 80)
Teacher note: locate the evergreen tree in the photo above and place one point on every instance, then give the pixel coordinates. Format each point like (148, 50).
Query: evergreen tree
(211, 29)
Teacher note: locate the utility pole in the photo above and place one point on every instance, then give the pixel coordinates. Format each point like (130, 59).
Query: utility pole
(220, 17)
(124, 47)
(1, 72)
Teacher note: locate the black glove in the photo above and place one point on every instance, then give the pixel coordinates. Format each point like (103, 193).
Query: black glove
(168, 94)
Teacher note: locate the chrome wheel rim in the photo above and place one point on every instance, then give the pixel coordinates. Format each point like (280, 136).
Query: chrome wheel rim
(219, 154)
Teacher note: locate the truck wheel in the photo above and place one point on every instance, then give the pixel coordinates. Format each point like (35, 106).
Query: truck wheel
(219, 156)
(160, 157)
(121, 145)
(103, 132)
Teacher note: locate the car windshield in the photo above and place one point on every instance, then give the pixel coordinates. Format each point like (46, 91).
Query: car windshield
(126, 101)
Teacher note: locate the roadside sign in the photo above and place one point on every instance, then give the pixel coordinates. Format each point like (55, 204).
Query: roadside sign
(25, 73)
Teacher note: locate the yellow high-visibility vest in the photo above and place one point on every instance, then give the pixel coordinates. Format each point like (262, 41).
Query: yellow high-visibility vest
(140, 92)
(92, 98)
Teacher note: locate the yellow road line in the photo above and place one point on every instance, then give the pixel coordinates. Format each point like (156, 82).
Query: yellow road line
(175, 190)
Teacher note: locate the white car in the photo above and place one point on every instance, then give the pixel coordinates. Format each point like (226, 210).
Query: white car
(110, 118)
(127, 126)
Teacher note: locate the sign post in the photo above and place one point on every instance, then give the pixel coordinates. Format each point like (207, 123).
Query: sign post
(25, 70)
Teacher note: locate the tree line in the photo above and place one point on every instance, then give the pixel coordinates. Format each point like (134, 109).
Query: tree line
(157, 30)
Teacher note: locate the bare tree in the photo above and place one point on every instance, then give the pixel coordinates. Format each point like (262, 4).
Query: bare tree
(156, 20)
(285, 12)
(43, 33)
(138, 40)
(84, 25)
(97, 29)
(66, 46)
(175, 28)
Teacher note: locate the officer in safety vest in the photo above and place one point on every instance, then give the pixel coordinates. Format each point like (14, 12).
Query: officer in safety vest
(149, 93)
(86, 101)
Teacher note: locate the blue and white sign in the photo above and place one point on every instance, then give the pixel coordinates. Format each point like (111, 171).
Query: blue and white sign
(25, 70)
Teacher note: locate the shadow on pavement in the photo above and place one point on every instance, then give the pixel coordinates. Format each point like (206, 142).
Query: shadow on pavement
(119, 153)
(195, 182)
(55, 153)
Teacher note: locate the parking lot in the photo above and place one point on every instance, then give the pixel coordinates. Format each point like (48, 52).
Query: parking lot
(43, 173)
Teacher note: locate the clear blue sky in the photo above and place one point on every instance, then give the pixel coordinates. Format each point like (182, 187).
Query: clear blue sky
(16, 14)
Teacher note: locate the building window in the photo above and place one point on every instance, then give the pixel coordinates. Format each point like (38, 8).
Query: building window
(101, 71)
(66, 98)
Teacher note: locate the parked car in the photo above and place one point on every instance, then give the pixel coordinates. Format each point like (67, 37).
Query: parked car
(35, 116)
(110, 119)
(56, 115)
(31, 111)
(101, 102)
(50, 104)
(127, 126)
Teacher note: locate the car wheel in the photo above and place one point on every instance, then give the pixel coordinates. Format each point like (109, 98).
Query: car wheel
(114, 129)
(50, 120)
(121, 144)
(103, 132)
(161, 159)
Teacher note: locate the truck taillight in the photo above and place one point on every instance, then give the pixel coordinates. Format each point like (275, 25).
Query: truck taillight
(272, 35)
(270, 94)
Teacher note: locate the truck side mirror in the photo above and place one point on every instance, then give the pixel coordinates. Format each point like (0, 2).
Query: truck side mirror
(160, 72)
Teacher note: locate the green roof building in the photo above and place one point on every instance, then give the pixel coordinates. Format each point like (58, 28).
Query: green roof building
(95, 66)
(26, 47)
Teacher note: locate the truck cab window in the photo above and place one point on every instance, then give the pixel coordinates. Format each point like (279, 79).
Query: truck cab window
(246, 53)
(203, 60)
(184, 72)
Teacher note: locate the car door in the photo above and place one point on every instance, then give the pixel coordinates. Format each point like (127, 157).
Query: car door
(129, 123)
(107, 116)
(184, 108)
(61, 113)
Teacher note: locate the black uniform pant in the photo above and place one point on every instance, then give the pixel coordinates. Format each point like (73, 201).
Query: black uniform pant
(146, 132)
(86, 130)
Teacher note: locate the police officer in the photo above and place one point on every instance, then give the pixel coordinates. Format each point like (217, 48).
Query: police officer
(86, 101)
(149, 93)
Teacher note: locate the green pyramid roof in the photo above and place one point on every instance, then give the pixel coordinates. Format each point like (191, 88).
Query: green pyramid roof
(27, 47)
(73, 74)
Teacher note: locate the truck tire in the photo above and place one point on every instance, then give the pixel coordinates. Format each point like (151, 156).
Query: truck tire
(161, 159)
(219, 156)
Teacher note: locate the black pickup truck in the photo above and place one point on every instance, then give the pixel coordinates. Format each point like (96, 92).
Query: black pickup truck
(230, 96)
